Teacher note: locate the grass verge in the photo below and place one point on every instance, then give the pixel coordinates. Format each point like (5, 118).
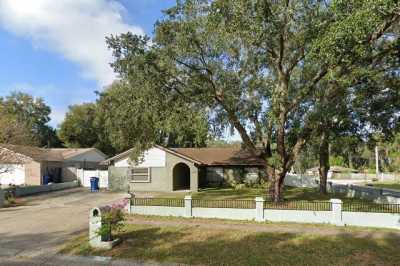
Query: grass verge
(290, 193)
(192, 244)
(389, 185)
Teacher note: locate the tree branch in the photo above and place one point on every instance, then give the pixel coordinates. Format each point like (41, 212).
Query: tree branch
(258, 130)
(295, 61)
(382, 29)
(234, 119)
(320, 75)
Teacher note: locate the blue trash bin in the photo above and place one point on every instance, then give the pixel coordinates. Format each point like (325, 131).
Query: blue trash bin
(46, 180)
(94, 184)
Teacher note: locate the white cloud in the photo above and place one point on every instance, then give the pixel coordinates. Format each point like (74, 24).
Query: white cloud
(74, 28)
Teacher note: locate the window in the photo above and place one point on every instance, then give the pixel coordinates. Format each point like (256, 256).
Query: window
(140, 175)
(215, 174)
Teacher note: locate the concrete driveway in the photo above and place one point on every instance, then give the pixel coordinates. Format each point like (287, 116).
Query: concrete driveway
(46, 221)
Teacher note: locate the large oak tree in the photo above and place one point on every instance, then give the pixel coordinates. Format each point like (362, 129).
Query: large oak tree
(254, 64)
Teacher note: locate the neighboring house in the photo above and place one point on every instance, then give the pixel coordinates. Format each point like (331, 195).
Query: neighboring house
(170, 169)
(26, 165)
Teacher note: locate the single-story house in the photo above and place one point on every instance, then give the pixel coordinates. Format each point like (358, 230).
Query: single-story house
(26, 165)
(171, 169)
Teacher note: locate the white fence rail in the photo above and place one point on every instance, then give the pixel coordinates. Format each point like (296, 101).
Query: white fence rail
(376, 194)
(301, 181)
(325, 213)
(85, 175)
(366, 177)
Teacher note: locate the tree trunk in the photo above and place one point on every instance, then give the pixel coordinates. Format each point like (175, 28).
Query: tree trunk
(270, 171)
(276, 197)
(323, 162)
(350, 160)
(282, 159)
(276, 187)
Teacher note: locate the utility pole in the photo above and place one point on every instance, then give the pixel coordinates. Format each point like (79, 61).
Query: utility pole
(377, 161)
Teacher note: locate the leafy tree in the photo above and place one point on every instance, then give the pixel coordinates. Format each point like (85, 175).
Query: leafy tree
(361, 101)
(132, 120)
(392, 154)
(15, 132)
(221, 143)
(81, 128)
(253, 64)
(28, 118)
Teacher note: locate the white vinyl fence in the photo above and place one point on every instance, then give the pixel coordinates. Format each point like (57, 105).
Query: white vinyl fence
(326, 212)
(366, 177)
(85, 175)
(294, 180)
(376, 194)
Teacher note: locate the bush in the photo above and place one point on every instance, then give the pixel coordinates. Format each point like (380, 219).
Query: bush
(112, 220)
(9, 196)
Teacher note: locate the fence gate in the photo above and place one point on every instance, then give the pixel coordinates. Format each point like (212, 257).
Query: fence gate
(85, 175)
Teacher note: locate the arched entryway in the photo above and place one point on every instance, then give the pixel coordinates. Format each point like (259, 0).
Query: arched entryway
(181, 177)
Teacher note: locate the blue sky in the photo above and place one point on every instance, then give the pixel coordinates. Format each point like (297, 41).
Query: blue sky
(55, 49)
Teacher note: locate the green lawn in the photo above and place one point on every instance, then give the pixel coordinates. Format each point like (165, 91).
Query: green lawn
(290, 193)
(221, 245)
(390, 185)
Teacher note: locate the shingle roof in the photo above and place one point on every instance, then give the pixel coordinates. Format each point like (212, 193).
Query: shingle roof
(9, 153)
(71, 152)
(221, 156)
(206, 156)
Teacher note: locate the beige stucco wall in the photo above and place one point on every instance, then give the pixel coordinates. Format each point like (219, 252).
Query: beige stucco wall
(161, 178)
(158, 181)
(33, 175)
(119, 179)
(173, 160)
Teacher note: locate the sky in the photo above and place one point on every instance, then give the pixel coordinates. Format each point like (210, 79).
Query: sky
(55, 49)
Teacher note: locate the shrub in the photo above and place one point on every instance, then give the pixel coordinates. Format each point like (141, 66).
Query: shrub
(112, 220)
(9, 196)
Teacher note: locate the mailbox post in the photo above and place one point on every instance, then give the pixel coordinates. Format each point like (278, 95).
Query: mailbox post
(95, 239)
(94, 227)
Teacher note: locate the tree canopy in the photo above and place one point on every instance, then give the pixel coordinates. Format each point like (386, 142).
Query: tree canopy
(134, 120)
(77, 129)
(124, 118)
(24, 120)
(257, 65)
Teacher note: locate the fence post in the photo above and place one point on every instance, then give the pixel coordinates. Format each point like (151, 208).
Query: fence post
(259, 209)
(188, 206)
(128, 205)
(336, 205)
